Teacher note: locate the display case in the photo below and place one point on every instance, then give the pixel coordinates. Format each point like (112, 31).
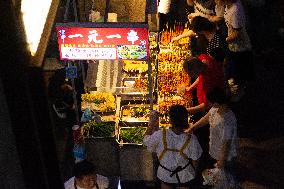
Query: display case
(172, 80)
(139, 84)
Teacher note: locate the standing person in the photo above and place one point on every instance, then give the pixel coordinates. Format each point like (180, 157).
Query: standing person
(177, 152)
(209, 74)
(223, 132)
(238, 42)
(60, 92)
(217, 46)
(63, 114)
(204, 8)
(201, 25)
(172, 11)
(86, 178)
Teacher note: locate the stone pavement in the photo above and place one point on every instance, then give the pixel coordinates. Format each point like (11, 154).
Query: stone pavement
(261, 120)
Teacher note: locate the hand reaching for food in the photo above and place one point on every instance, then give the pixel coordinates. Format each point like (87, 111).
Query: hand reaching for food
(154, 119)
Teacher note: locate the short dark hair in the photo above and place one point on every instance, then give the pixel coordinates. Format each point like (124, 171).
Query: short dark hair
(83, 168)
(192, 64)
(200, 24)
(179, 116)
(217, 95)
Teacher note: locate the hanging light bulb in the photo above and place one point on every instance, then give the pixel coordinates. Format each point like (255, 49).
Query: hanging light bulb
(34, 14)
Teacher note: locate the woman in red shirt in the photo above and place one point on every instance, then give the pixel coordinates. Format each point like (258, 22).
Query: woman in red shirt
(209, 74)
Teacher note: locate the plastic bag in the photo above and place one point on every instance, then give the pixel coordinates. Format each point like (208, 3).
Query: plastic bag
(86, 116)
(219, 178)
(211, 176)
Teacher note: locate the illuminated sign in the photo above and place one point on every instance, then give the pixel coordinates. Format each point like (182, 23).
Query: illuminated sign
(82, 43)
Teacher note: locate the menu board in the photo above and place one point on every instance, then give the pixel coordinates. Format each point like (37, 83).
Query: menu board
(83, 43)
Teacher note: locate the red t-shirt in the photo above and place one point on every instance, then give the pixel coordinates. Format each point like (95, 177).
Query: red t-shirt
(213, 77)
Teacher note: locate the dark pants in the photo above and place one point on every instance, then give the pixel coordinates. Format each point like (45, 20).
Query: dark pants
(243, 65)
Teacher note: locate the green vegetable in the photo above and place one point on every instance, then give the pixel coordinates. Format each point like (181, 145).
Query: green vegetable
(140, 112)
(94, 129)
(98, 101)
(132, 135)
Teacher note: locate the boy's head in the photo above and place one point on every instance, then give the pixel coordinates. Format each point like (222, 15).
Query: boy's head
(179, 116)
(85, 175)
(201, 24)
(194, 67)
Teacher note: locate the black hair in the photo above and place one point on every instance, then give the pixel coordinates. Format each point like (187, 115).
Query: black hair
(179, 116)
(193, 65)
(83, 168)
(200, 24)
(217, 95)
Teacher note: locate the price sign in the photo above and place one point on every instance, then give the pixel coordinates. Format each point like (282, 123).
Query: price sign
(82, 43)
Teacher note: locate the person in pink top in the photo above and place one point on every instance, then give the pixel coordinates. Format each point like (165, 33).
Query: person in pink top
(209, 74)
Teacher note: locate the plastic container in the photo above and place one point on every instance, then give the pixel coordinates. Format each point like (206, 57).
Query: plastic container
(79, 153)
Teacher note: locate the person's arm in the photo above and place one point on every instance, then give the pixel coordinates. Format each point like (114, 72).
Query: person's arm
(150, 129)
(215, 19)
(200, 123)
(190, 2)
(233, 35)
(192, 15)
(193, 85)
(195, 109)
(219, 10)
(188, 90)
(153, 124)
(195, 164)
(189, 33)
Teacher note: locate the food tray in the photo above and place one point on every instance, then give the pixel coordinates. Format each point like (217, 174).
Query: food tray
(92, 129)
(135, 67)
(129, 88)
(134, 97)
(131, 135)
(133, 123)
(135, 113)
(108, 118)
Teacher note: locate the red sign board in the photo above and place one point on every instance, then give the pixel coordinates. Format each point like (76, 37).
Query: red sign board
(81, 43)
